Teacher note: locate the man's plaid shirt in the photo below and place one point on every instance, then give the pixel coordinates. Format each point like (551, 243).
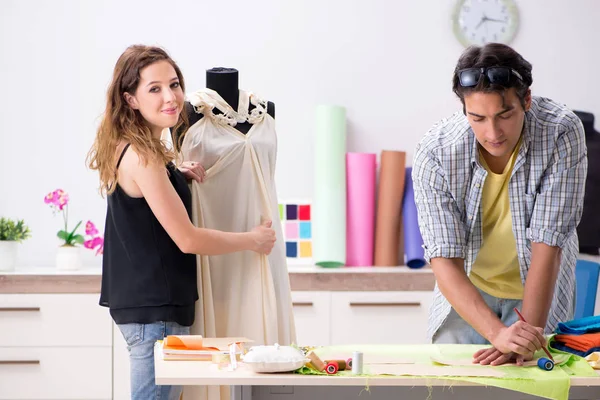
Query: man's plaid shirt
(546, 191)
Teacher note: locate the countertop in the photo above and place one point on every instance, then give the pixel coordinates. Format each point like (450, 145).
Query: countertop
(302, 278)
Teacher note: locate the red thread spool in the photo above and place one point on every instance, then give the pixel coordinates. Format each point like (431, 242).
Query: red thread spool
(333, 366)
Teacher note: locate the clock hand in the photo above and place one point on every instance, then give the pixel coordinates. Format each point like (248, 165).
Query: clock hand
(495, 20)
(483, 19)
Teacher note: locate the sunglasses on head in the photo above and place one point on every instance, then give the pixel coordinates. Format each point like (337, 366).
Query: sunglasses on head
(470, 77)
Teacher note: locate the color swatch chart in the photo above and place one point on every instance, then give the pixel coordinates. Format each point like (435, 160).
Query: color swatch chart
(297, 229)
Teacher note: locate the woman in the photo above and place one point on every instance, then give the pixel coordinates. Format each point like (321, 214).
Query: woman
(149, 266)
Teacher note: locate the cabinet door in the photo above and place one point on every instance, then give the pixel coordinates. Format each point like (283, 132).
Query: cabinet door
(49, 320)
(379, 317)
(55, 373)
(312, 318)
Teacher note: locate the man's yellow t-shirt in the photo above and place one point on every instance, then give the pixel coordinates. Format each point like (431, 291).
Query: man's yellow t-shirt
(496, 268)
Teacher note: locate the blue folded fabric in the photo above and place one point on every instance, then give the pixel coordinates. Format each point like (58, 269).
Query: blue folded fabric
(579, 326)
(562, 347)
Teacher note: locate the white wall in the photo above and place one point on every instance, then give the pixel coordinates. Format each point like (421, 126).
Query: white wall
(389, 62)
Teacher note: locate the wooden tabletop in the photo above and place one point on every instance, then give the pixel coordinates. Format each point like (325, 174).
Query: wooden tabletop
(206, 373)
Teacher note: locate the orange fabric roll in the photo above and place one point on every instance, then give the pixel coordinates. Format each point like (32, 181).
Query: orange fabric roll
(389, 208)
(583, 342)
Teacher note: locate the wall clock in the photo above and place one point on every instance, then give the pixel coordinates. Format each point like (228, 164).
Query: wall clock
(477, 22)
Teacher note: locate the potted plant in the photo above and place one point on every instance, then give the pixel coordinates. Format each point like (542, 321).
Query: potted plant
(68, 256)
(11, 234)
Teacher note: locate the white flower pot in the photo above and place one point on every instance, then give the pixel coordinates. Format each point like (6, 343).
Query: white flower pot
(68, 258)
(8, 255)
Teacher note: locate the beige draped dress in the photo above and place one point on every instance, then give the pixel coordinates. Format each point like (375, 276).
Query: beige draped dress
(244, 293)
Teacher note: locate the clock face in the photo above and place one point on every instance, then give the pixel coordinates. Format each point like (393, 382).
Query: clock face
(483, 21)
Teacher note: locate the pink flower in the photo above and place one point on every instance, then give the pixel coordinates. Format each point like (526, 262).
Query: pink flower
(51, 198)
(58, 201)
(59, 198)
(95, 243)
(63, 199)
(90, 229)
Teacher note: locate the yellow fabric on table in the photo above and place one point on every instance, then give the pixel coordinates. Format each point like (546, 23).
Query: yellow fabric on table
(594, 359)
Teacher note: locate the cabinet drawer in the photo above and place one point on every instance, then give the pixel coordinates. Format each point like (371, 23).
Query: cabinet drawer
(379, 317)
(312, 317)
(55, 373)
(53, 320)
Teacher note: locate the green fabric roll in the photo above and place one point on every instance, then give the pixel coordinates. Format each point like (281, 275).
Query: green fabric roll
(329, 205)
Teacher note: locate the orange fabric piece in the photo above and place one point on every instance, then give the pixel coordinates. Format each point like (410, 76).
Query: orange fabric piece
(199, 343)
(583, 342)
(187, 342)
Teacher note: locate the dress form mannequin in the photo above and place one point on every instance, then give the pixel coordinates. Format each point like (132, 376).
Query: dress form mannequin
(241, 294)
(225, 81)
(588, 230)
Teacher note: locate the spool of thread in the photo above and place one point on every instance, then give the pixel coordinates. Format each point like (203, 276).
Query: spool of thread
(357, 363)
(315, 361)
(332, 367)
(545, 364)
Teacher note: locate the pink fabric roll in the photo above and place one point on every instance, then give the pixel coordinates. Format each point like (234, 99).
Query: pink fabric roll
(361, 176)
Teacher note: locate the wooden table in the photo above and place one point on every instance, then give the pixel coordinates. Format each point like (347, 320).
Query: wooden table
(247, 385)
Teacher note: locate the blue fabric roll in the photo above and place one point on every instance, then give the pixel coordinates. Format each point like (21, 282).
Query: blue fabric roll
(579, 326)
(562, 347)
(413, 241)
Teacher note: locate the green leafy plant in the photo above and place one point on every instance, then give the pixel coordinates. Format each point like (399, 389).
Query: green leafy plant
(11, 230)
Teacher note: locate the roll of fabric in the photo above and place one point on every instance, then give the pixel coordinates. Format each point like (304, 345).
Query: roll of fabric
(389, 208)
(585, 342)
(579, 326)
(413, 241)
(361, 172)
(329, 225)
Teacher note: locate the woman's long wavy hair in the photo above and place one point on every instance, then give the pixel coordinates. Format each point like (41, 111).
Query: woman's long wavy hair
(122, 123)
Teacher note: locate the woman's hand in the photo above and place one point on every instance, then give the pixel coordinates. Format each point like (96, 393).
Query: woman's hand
(193, 170)
(263, 238)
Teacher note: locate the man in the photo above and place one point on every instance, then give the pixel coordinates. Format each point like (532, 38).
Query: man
(499, 192)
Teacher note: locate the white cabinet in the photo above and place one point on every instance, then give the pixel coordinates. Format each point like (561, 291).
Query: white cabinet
(54, 346)
(337, 318)
(53, 320)
(55, 373)
(312, 315)
(379, 317)
(65, 346)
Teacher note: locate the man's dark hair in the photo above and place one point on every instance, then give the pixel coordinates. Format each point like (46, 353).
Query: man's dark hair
(493, 55)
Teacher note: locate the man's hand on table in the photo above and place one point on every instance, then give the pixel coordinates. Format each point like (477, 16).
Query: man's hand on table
(518, 341)
(494, 357)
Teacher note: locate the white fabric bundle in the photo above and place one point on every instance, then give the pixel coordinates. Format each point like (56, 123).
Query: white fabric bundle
(274, 358)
